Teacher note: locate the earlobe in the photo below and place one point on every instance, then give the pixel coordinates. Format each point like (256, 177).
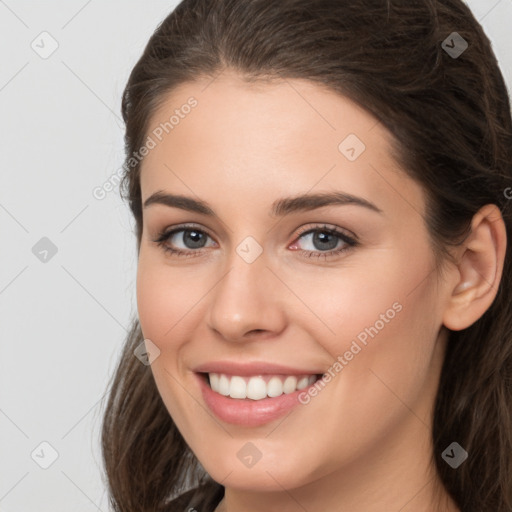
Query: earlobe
(480, 267)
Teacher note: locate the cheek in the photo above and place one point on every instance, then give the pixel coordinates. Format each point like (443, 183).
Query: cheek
(165, 297)
(388, 295)
(383, 351)
(381, 314)
(163, 300)
(152, 299)
(337, 306)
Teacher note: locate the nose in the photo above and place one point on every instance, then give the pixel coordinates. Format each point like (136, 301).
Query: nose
(247, 303)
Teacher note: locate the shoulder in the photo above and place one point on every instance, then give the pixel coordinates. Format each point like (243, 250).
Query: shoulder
(204, 498)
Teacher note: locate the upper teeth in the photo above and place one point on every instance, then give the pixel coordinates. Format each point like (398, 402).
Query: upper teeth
(257, 388)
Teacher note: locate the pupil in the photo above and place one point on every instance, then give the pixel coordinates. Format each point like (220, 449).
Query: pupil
(322, 238)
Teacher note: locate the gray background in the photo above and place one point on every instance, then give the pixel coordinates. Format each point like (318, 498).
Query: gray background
(63, 320)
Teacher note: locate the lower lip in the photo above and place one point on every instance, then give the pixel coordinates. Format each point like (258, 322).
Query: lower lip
(247, 412)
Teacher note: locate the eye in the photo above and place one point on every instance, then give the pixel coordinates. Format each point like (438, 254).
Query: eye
(190, 238)
(324, 241)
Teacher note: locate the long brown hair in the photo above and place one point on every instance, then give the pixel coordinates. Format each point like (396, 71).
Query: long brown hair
(451, 121)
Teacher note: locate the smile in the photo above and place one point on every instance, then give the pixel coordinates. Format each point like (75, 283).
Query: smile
(252, 395)
(258, 387)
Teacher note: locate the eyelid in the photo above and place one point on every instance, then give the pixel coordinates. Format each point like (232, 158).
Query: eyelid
(183, 227)
(328, 227)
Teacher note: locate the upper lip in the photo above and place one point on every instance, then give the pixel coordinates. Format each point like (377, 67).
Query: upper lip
(251, 368)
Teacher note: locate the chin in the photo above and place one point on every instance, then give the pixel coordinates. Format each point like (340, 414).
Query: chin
(272, 474)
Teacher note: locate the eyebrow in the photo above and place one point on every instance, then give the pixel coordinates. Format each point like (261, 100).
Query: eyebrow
(280, 207)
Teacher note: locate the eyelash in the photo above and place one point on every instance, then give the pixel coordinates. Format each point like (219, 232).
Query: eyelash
(350, 242)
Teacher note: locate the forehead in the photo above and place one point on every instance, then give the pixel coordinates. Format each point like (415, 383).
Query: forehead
(278, 138)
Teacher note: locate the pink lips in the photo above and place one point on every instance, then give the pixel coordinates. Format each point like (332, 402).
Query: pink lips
(247, 412)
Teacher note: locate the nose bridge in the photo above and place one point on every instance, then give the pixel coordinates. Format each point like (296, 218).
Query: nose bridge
(242, 301)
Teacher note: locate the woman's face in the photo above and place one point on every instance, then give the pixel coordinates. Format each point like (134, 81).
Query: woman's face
(273, 291)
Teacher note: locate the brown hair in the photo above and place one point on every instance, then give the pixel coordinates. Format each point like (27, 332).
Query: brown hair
(452, 127)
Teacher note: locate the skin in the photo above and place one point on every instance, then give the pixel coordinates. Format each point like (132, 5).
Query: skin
(364, 442)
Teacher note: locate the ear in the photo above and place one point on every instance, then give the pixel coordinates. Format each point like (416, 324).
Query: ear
(480, 267)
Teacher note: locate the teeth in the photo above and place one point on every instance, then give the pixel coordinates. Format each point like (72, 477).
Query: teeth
(290, 385)
(303, 383)
(275, 387)
(223, 385)
(237, 388)
(258, 387)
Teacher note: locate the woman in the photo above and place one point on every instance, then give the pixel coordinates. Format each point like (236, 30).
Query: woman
(324, 284)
